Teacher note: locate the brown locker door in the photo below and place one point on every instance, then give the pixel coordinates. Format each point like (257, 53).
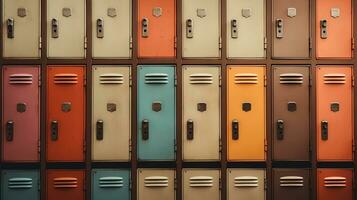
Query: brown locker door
(335, 184)
(291, 184)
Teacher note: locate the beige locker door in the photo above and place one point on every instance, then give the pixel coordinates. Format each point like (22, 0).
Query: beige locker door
(246, 184)
(155, 184)
(201, 184)
(201, 112)
(21, 28)
(111, 28)
(201, 29)
(66, 28)
(111, 113)
(246, 28)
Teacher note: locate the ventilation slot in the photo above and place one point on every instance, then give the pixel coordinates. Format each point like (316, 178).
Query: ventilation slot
(201, 79)
(111, 182)
(201, 181)
(20, 183)
(246, 78)
(334, 78)
(156, 78)
(335, 182)
(65, 182)
(20, 79)
(156, 181)
(111, 79)
(246, 181)
(291, 181)
(66, 79)
(291, 78)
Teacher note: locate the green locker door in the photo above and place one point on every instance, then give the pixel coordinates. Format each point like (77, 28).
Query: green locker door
(20, 185)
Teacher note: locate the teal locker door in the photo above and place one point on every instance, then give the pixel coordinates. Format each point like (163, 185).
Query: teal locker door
(20, 185)
(156, 112)
(110, 184)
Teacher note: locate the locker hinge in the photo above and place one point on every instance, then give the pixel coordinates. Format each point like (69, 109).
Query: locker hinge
(310, 81)
(131, 43)
(85, 42)
(353, 43)
(220, 43)
(220, 184)
(265, 184)
(39, 81)
(220, 80)
(265, 43)
(130, 184)
(353, 81)
(84, 146)
(175, 45)
(220, 145)
(353, 147)
(84, 81)
(175, 147)
(39, 146)
(39, 184)
(175, 80)
(265, 145)
(265, 81)
(130, 81)
(130, 146)
(40, 43)
(175, 183)
(310, 43)
(84, 184)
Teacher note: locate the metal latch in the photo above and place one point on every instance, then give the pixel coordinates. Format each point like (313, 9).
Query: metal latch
(145, 129)
(54, 25)
(279, 28)
(235, 129)
(323, 29)
(190, 127)
(280, 129)
(54, 130)
(10, 130)
(324, 130)
(10, 28)
(145, 27)
(100, 129)
(100, 28)
(234, 28)
(189, 28)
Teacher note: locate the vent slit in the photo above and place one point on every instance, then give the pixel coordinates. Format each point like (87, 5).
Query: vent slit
(111, 182)
(156, 181)
(246, 78)
(66, 79)
(201, 78)
(20, 79)
(334, 78)
(246, 181)
(201, 181)
(65, 182)
(111, 79)
(335, 181)
(291, 181)
(156, 78)
(291, 78)
(20, 183)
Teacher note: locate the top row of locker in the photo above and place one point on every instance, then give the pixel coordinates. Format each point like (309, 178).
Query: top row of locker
(112, 35)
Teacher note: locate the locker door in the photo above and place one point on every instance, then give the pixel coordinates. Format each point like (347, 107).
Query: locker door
(66, 29)
(201, 28)
(156, 112)
(21, 28)
(20, 117)
(201, 184)
(334, 104)
(291, 28)
(157, 28)
(111, 28)
(156, 184)
(65, 184)
(111, 113)
(201, 112)
(291, 113)
(246, 113)
(110, 184)
(65, 113)
(334, 29)
(292, 184)
(17, 185)
(246, 28)
(246, 184)
(335, 184)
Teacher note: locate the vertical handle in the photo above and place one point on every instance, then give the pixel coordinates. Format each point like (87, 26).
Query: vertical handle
(100, 130)
(100, 28)
(189, 28)
(280, 129)
(10, 130)
(145, 27)
(145, 129)
(10, 23)
(323, 29)
(54, 28)
(189, 127)
(324, 130)
(54, 130)
(234, 28)
(279, 28)
(235, 130)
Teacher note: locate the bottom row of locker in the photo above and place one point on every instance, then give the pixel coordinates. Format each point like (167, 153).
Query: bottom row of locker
(154, 184)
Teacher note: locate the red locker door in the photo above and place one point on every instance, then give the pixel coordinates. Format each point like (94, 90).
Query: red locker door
(20, 113)
(65, 185)
(335, 184)
(65, 113)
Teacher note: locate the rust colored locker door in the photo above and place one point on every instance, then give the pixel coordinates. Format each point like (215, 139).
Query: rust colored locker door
(291, 138)
(20, 117)
(292, 184)
(335, 184)
(334, 104)
(291, 28)
(65, 184)
(65, 113)
(201, 184)
(156, 28)
(246, 113)
(334, 29)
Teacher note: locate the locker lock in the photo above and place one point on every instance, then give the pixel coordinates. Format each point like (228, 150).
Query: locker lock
(54, 130)
(189, 28)
(100, 130)
(235, 130)
(189, 127)
(324, 130)
(280, 129)
(279, 28)
(145, 129)
(10, 23)
(10, 130)
(54, 28)
(323, 29)
(145, 27)
(100, 28)
(234, 28)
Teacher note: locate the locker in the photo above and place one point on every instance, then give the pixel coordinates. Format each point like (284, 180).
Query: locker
(334, 104)
(21, 29)
(291, 113)
(246, 29)
(201, 112)
(292, 184)
(65, 184)
(246, 113)
(111, 28)
(111, 113)
(65, 113)
(110, 184)
(20, 117)
(156, 108)
(156, 184)
(201, 184)
(335, 184)
(201, 28)
(66, 35)
(156, 28)
(291, 29)
(334, 29)
(19, 185)
(246, 184)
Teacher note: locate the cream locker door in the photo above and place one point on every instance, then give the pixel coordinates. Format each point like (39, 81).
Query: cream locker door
(21, 28)
(246, 28)
(111, 28)
(66, 29)
(201, 112)
(201, 29)
(111, 113)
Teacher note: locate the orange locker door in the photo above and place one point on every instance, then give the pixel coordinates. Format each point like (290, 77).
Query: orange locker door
(335, 184)
(334, 113)
(65, 184)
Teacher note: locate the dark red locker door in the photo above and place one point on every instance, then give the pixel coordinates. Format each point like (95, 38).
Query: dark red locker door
(65, 185)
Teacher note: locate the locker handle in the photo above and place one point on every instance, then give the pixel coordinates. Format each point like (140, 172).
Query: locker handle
(324, 130)
(189, 127)
(189, 28)
(323, 29)
(145, 27)
(279, 23)
(145, 129)
(10, 27)
(10, 130)
(100, 129)
(100, 28)
(54, 130)
(234, 28)
(235, 130)
(54, 28)
(280, 129)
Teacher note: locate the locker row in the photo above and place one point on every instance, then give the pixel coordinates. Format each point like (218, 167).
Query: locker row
(111, 113)
(153, 184)
(111, 23)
